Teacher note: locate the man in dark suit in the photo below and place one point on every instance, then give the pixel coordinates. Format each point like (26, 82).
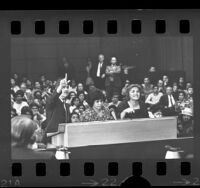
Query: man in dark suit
(57, 108)
(98, 72)
(167, 103)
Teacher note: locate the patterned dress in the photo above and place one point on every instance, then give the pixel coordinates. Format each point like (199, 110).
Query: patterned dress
(91, 115)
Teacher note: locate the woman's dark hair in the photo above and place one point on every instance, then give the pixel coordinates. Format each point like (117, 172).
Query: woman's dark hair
(81, 104)
(70, 94)
(80, 92)
(22, 131)
(19, 92)
(73, 114)
(35, 94)
(96, 95)
(33, 104)
(26, 111)
(182, 93)
(130, 87)
(72, 103)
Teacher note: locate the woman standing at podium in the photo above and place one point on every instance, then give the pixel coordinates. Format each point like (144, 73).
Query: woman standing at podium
(132, 107)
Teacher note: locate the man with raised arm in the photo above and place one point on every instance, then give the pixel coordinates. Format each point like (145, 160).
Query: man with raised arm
(57, 108)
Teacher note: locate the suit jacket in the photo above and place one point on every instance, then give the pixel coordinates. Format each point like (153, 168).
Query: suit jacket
(164, 101)
(56, 113)
(94, 70)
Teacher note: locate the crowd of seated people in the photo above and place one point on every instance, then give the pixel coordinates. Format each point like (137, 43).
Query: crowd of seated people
(50, 102)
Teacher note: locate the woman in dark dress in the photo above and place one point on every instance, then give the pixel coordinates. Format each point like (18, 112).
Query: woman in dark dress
(132, 107)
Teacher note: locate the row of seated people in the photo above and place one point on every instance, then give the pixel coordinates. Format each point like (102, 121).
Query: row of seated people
(153, 102)
(47, 107)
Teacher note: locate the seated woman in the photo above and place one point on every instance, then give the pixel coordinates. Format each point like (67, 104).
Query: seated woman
(82, 97)
(71, 95)
(74, 104)
(132, 107)
(23, 137)
(181, 102)
(97, 111)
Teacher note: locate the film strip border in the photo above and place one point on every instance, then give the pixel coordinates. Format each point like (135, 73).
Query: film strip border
(89, 169)
(63, 27)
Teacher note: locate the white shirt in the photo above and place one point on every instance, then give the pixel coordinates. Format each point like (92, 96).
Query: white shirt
(153, 99)
(99, 68)
(18, 107)
(15, 88)
(173, 101)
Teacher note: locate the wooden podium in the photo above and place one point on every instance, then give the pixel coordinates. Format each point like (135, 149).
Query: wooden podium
(72, 135)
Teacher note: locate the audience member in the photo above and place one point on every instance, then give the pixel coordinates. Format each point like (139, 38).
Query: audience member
(72, 86)
(81, 109)
(26, 111)
(14, 87)
(166, 82)
(161, 86)
(181, 102)
(167, 103)
(185, 123)
(147, 87)
(18, 101)
(153, 75)
(23, 137)
(113, 80)
(153, 99)
(97, 111)
(181, 84)
(82, 97)
(37, 116)
(98, 72)
(71, 95)
(175, 91)
(74, 104)
(123, 92)
(80, 88)
(75, 117)
(132, 107)
(115, 100)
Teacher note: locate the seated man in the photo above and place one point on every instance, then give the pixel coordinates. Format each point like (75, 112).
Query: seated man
(167, 103)
(23, 137)
(153, 98)
(185, 123)
(115, 99)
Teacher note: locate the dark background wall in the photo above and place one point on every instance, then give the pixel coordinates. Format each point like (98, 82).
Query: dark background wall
(35, 56)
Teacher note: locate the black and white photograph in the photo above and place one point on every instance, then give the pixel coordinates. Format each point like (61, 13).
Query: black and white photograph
(102, 97)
